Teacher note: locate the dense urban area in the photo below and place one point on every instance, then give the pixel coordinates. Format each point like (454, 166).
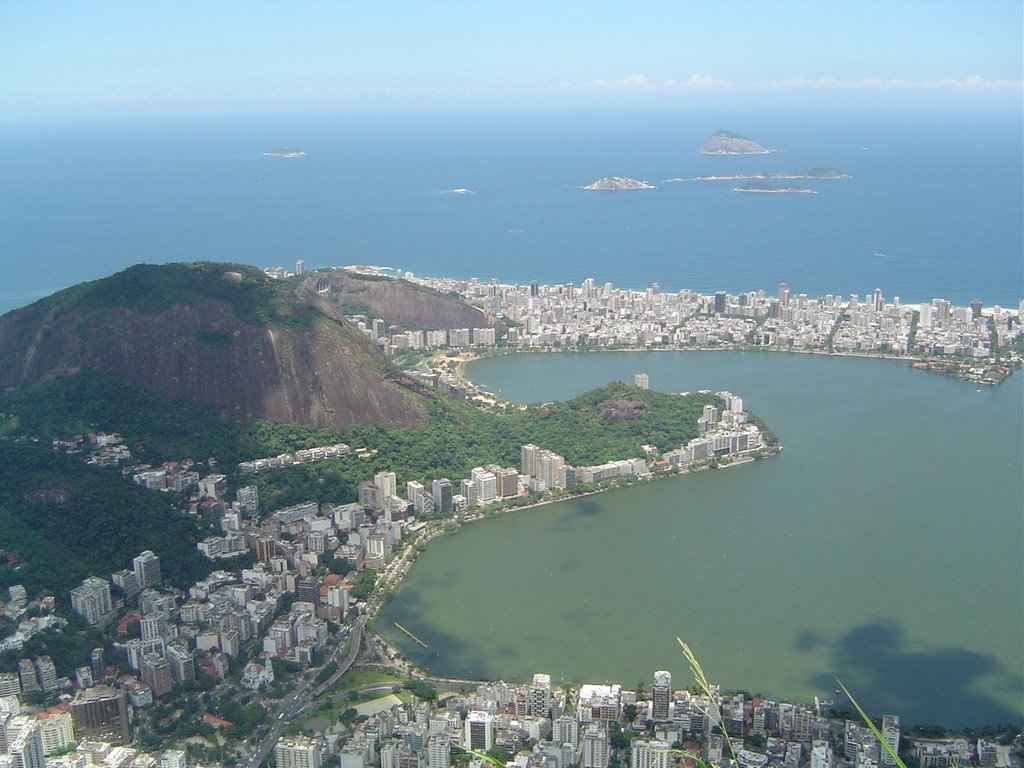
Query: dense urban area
(272, 656)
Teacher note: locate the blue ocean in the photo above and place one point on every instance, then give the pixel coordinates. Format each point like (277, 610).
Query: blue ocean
(933, 206)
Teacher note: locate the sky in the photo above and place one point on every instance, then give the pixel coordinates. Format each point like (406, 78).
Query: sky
(66, 58)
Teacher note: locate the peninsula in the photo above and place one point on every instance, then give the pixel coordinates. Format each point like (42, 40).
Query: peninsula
(728, 143)
(617, 183)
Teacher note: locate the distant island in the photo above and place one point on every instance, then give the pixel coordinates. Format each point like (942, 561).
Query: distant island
(618, 183)
(769, 187)
(290, 153)
(728, 143)
(811, 173)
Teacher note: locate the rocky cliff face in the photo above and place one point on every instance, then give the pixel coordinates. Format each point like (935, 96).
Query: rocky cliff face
(396, 301)
(253, 349)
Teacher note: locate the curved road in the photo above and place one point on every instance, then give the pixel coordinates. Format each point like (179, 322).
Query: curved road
(297, 700)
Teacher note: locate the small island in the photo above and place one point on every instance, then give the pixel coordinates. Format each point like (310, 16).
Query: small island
(769, 187)
(811, 173)
(728, 143)
(289, 153)
(617, 183)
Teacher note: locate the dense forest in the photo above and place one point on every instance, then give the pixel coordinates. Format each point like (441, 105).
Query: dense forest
(61, 520)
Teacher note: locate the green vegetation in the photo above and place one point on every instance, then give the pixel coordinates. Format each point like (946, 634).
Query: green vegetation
(255, 298)
(612, 422)
(97, 523)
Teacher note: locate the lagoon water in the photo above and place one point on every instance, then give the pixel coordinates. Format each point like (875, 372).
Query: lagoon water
(883, 546)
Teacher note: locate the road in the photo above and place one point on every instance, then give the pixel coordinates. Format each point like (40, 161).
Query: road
(301, 696)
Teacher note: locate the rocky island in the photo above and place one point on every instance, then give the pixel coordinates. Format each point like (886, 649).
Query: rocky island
(728, 143)
(769, 187)
(812, 173)
(617, 183)
(289, 153)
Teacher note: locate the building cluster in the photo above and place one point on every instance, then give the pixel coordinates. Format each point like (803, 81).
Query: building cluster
(101, 449)
(541, 726)
(596, 315)
(397, 340)
(725, 434)
(303, 456)
(17, 610)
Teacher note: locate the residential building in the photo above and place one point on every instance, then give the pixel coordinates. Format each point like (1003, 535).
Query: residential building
(479, 733)
(147, 569)
(596, 752)
(101, 713)
(648, 753)
(661, 695)
(92, 600)
(297, 752)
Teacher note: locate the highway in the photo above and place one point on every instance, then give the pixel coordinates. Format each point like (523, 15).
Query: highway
(299, 698)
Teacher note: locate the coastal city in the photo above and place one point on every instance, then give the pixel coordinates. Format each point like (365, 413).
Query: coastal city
(973, 342)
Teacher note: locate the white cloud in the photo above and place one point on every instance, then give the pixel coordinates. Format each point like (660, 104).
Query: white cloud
(638, 82)
(972, 83)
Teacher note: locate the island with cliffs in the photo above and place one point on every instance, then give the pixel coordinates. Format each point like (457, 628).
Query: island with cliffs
(617, 184)
(729, 143)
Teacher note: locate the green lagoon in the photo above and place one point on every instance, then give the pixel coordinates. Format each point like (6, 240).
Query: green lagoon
(883, 546)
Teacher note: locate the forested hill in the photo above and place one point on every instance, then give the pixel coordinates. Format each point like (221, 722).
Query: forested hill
(230, 337)
(61, 521)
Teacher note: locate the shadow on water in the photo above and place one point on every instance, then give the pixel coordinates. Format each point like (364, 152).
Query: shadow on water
(922, 687)
(443, 643)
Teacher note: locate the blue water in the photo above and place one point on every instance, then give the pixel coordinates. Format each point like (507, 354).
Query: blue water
(933, 208)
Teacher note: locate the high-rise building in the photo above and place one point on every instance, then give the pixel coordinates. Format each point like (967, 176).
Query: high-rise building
(508, 482)
(648, 753)
(783, 294)
(480, 731)
(183, 664)
(92, 599)
(155, 671)
(470, 491)
(9, 684)
(297, 752)
(27, 677)
(147, 569)
(595, 747)
(720, 302)
(439, 751)
(300, 266)
(566, 730)
(98, 664)
(442, 493)
(25, 744)
(101, 713)
(128, 583)
(57, 730)
(486, 485)
(642, 380)
(528, 459)
(540, 695)
(891, 736)
(248, 498)
(661, 695)
(387, 482)
(46, 673)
